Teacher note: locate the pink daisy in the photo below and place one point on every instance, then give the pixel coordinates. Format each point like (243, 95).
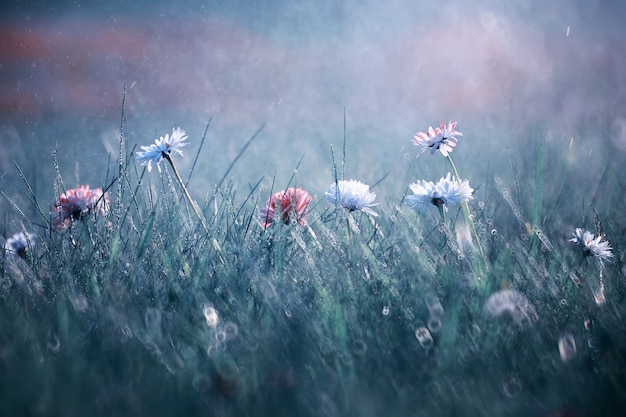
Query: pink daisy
(291, 204)
(76, 203)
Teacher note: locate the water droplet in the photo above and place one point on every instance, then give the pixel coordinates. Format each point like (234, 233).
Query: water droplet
(210, 314)
(511, 386)
(434, 324)
(567, 347)
(126, 332)
(210, 350)
(494, 232)
(53, 343)
(385, 310)
(359, 347)
(220, 336)
(423, 336)
(231, 330)
(591, 342)
(80, 303)
(563, 302)
(201, 383)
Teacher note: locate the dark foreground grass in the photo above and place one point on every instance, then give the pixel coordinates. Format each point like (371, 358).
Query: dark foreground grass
(142, 312)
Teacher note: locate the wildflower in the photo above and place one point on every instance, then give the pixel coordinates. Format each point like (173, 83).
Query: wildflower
(18, 244)
(77, 203)
(352, 195)
(591, 244)
(291, 203)
(441, 138)
(447, 191)
(162, 148)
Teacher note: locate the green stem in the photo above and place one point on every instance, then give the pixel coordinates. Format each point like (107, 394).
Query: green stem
(467, 214)
(187, 196)
(442, 212)
(537, 204)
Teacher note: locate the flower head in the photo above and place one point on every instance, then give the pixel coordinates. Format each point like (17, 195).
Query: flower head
(18, 244)
(162, 147)
(291, 205)
(441, 138)
(76, 203)
(447, 191)
(592, 245)
(352, 195)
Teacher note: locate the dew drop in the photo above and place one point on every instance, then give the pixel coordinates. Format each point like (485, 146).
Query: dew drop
(53, 343)
(359, 347)
(220, 336)
(126, 332)
(201, 383)
(434, 324)
(512, 386)
(80, 303)
(591, 342)
(210, 314)
(567, 347)
(424, 338)
(385, 310)
(231, 330)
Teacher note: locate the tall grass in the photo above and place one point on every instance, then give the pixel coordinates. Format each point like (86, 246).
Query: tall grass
(143, 312)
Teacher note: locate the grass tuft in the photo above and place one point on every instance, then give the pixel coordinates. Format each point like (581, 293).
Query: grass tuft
(144, 312)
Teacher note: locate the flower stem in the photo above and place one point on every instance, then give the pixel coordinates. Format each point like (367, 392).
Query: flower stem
(442, 212)
(467, 214)
(187, 196)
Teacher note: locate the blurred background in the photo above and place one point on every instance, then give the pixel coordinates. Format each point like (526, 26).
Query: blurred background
(513, 73)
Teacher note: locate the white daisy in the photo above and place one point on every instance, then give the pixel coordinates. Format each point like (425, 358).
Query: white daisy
(352, 195)
(18, 244)
(162, 147)
(441, 138)
(447, 191)
(591, 244)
